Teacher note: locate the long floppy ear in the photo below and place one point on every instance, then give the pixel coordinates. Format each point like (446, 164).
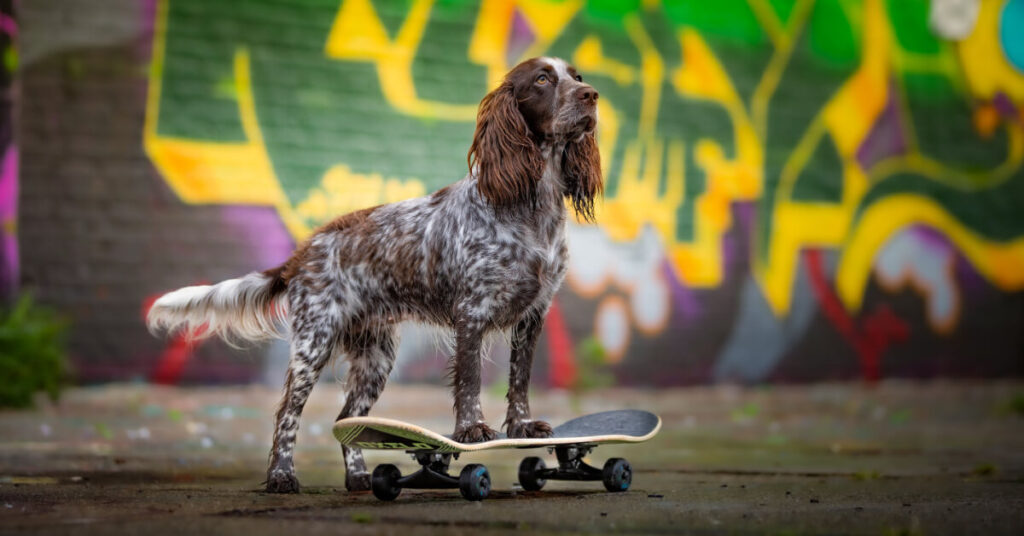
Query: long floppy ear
(581, 172)
(508, 163)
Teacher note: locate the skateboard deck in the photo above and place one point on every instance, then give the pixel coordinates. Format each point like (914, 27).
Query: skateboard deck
(619, 426)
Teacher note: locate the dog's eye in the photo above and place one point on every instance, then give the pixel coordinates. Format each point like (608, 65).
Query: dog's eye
(579, 78)
(542, 79)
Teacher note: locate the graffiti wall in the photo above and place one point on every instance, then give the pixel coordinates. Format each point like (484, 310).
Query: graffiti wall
(796, 190)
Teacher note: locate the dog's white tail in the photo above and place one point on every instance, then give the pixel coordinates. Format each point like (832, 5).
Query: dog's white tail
(244, 308)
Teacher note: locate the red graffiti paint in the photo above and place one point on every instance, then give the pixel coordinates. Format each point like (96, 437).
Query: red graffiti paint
(876, 331)
(561, 364)
(171, 363)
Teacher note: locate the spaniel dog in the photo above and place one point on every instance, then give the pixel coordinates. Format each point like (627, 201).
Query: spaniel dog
(484, 254)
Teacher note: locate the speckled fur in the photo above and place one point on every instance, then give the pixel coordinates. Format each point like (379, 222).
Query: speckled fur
(477, 257)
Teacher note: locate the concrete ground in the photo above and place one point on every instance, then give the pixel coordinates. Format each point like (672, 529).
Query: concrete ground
(896, 459)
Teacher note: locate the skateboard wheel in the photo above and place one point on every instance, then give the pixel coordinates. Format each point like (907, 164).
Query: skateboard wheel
(617, 474)
(385, 482)
(529, 469)
(474, 482)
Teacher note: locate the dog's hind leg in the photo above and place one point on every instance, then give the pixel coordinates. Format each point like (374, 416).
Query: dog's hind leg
(313, 341)
(371, 355)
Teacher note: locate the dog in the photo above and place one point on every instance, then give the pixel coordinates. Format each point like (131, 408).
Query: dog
(485, 254)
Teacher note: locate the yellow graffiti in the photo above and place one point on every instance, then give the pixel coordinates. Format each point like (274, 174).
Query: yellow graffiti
(209, 171)
(784, 40)
(636, 201)
(702, 76)
(847, 119)
(981, 58)
(1000, 263)
(342, 191)
(589, 58)
(359, 35)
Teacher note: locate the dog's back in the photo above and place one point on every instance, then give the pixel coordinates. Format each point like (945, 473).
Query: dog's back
(409, 260)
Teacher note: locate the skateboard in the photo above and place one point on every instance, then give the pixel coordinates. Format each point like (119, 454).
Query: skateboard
(571, 442)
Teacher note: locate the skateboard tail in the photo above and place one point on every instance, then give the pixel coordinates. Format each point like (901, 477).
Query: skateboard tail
(382, 435)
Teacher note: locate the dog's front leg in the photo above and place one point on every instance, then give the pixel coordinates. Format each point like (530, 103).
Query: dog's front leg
(469, 418)
(517, 420)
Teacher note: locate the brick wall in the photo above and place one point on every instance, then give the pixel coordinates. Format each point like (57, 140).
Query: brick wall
(101, 232)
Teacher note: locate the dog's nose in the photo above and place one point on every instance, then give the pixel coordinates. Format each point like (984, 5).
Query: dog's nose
(587, 94)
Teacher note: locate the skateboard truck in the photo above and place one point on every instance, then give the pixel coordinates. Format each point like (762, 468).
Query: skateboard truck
(533, 473)
(474, 482)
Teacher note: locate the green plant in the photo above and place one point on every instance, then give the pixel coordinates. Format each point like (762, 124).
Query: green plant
(984, 469)
(32, 356)
(1013, 406)
(592, 370)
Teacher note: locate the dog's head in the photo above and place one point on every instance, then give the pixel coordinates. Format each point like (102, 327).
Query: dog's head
(543, 103)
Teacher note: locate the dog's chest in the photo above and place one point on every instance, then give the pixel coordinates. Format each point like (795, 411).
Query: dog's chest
(551, 254)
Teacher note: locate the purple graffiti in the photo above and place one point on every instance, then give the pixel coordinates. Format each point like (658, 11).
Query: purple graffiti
(8, 26)
(261, 229)
(1004, 105)
(8, 221)
(519, 39)
(683, 299)
(887, 137)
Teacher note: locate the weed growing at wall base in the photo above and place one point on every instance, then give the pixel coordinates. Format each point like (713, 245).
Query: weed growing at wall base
(32, 353)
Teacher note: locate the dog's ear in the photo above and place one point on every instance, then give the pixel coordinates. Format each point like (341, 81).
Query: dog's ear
(581, 171)
(508, 163)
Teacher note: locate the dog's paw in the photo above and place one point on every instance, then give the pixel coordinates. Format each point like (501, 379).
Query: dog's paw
(282, 482)
(357, 481)
(474, 433)
(528, 429)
